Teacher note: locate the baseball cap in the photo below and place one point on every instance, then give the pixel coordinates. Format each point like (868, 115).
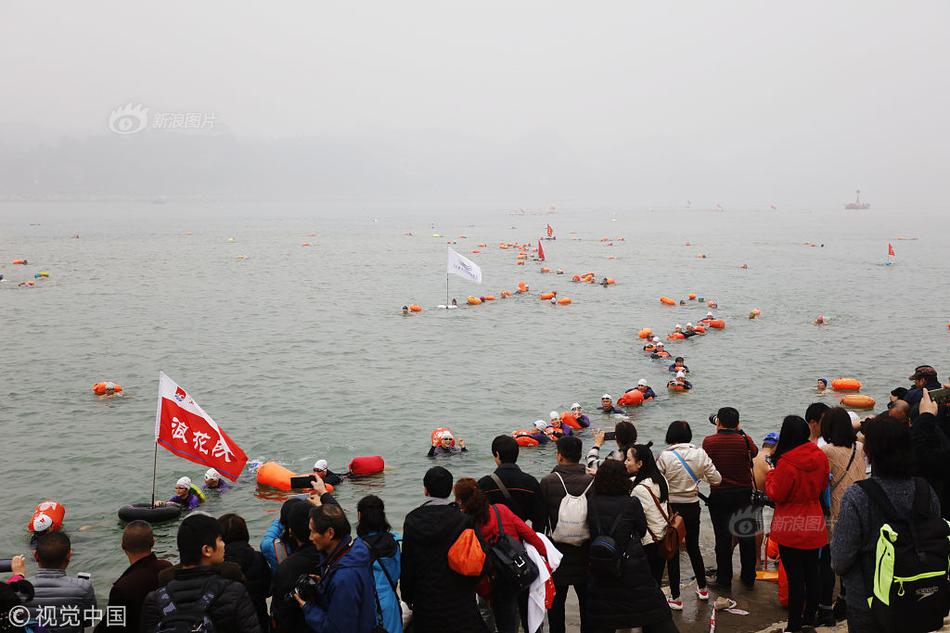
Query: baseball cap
(183, 482)
(212, 474)
(321, 464)
(642, 382)
(923, 371)
(771, 438)
(42, 522)
(576, 405)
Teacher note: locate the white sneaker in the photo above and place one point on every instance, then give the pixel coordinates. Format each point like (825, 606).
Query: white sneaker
(675, 605)
(702, 594)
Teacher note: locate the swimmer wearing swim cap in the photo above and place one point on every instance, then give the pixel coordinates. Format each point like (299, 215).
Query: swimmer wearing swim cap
(444, 443)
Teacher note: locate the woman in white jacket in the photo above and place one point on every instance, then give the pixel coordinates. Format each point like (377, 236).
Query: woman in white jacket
(651, 489)
(684, 466)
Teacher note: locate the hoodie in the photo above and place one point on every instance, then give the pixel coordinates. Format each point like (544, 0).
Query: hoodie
(795, 485)
(347, 592)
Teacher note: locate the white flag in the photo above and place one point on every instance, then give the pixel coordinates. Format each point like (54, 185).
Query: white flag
(464, 267)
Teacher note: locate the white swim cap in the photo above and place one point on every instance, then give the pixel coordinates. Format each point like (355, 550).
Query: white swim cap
(677, 327)
(554, 415)
(321, 464)
(680, 374)
(642, 382)
(540, 425)
(709, 314)
(42, 522)
(689, 325)
(660, 344)
(606, 396)
(576, 405)
(656, 339)
(212, 474)
(184, 482)
(110, 386)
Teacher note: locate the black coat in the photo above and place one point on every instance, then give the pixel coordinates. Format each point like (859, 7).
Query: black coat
(287, 614)
(525, 492)
(634, 599)
(441, 599)
(232, 612)
(573, 567)
(130, 590)
(256, 574)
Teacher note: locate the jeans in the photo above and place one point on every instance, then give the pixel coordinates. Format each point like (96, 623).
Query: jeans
(690, 514)
(732, 516)
(801, 568)
(556, 612)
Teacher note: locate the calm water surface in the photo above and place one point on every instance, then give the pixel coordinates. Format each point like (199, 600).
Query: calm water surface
(301, 353)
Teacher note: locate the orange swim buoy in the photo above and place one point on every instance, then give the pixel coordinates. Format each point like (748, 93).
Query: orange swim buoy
(676, 336)
(476, 251)
(717, 324)
(415, 307)
(523, 437)
(52, 509)
(569, 419)
(645, 333)
(692, 296)
(858, 401)
(611, 281)
(276, 476)
(846, 384)
(473, 301)
(547, 296)
(563, 301)
(101, 388)
(366, 465)
(545, 270)
(488, 298)
(19, 262)
(505, 294)
(667, 301)
(675, 387)
(700, 329)
(482, 245)
(521, 256)
(631, 399)
(577, 278)
(522, 287)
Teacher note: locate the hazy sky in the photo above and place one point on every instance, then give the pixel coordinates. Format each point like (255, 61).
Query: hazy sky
(776, 98)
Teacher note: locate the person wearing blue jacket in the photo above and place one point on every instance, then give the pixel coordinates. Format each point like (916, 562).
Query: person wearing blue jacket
(275, 544)
(374, 530)
(344, 599)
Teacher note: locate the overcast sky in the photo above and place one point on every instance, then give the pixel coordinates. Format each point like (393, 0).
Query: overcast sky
(802, 100)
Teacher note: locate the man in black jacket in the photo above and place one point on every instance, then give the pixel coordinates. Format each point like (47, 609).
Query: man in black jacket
(286, 614)
(441, 600)
(924, 377)
(198, 581)
(517, 489)
(135, 583)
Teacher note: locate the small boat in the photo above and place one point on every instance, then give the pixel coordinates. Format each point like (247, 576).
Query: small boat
(857, 204)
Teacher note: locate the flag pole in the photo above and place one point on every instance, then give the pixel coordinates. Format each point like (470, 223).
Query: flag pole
(446, 289)
(154, 472)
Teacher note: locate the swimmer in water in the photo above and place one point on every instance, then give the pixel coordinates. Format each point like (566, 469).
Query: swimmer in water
(820, 320)
(678, 365)
(213, 481)
(553, 301)
(444, 444)
(709, 317)
(579, 415)
(680, 383)
(651, 345)
(604, 283)
(644, 388)
(455, 302)
(660, 352)
(822, 385)
(556, 428)
(405, 310)
(690, 330)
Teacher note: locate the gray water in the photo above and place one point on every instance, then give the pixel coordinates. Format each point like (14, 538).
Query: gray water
(301, 353)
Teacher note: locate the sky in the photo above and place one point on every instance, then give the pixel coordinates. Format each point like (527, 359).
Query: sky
(728, 101)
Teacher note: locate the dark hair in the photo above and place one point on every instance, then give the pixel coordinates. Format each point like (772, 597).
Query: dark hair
(679, 432)
(626, 433)
(612, 479)
(330, 516)
(888, 446)
(233, 528)
(52, 550)
(285, 517)
(371, 516)
(138, 537)
(506, 448)
(299, 525)
(836, 427)
(899, 392)
(794, 433)
(438, 481)
(570, 447)
(678, 359)
(728, 417)
(196, 531)
(649, 469)
(815, 410)
(472, 501)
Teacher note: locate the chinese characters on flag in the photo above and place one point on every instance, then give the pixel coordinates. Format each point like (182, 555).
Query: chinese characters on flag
(185, 429)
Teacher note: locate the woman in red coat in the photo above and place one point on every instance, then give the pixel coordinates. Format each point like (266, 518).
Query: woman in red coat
(798, 525)
(473, 502)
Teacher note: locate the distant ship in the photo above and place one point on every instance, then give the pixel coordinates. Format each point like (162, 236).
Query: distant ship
(857, 204)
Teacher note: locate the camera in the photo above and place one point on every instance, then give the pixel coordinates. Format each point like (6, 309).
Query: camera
(307, 588)
(6, 565)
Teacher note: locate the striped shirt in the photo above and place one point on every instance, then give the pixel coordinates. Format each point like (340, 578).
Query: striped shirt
(730, 453)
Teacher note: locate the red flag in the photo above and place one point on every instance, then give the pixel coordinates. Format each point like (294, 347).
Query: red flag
(186, 430)
(540, 251)
(550, 231)
(890, 249)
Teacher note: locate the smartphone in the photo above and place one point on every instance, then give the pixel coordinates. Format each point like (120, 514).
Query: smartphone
(610, 435)
(940, 396)
(302, 482)
(6, 565)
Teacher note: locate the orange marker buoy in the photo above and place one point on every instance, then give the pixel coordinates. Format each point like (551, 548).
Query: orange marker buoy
(611, 281)
(547, 296)
(692, 296)
(545, 270)
(415, 307)
(19, 262)
(523, 437)
(488, 298)
(563, 301)
(667, 301)
(846, 384)
(858, 401)
(522, 287)
(675, 336)
(473, 301)
(717, 324)
(645, 333)
(631, 399)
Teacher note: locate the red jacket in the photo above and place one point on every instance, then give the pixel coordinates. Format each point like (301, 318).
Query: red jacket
(514, 527)
(795, 486)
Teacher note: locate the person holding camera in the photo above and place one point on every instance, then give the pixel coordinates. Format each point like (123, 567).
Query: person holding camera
(342, 596)
(53, 588)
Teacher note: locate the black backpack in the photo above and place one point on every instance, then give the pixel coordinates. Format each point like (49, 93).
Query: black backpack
(605, 556)
(509, 560)
(196, 618)
(908, 571)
